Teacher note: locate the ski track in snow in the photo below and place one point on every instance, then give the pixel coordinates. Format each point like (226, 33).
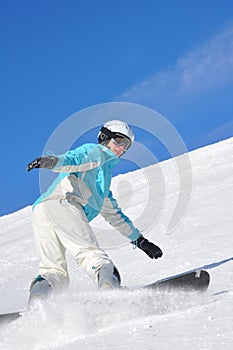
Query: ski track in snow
(84, 318)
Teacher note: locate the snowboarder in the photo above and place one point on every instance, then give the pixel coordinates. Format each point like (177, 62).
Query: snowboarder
(61, 216)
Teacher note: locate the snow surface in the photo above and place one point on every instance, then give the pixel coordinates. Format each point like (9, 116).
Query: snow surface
(84, 318)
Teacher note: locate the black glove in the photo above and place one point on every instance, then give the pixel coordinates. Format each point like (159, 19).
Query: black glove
(43, 162)
(152, 250)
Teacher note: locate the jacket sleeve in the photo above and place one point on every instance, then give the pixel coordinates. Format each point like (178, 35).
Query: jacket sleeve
(115, 217)
(77, 160)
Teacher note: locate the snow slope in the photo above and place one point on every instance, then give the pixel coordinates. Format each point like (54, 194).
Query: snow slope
(84, 318)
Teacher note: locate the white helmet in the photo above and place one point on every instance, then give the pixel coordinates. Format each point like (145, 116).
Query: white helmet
(114, 128)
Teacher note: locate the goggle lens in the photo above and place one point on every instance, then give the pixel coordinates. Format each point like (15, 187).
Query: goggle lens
(122, 141)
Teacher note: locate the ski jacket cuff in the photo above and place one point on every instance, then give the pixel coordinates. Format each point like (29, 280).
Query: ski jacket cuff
(134, 235)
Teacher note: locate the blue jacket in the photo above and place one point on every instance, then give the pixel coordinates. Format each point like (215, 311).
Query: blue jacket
(85, 178)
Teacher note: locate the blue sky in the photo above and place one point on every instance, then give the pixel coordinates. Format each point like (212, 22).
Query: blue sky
(59, 57)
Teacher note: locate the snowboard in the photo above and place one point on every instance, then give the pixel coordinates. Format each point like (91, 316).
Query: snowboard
(189, 281)
(9, 317)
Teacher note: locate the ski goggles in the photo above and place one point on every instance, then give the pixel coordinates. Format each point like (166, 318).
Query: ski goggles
(121, 142)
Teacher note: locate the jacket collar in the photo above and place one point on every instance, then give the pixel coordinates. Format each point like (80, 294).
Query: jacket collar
(109, 156)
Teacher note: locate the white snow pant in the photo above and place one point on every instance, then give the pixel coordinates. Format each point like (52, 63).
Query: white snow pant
(59, 225)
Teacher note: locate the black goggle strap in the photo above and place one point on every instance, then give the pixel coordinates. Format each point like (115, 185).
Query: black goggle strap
(107, 133)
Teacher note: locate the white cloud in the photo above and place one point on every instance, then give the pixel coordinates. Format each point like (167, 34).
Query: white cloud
(206, 68)
(223, 132)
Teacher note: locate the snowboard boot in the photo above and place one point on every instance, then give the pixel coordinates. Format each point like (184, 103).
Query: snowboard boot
(40, 290)
(108, 277)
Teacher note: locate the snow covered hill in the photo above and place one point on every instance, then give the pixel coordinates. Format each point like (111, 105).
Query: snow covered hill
(84, 318)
